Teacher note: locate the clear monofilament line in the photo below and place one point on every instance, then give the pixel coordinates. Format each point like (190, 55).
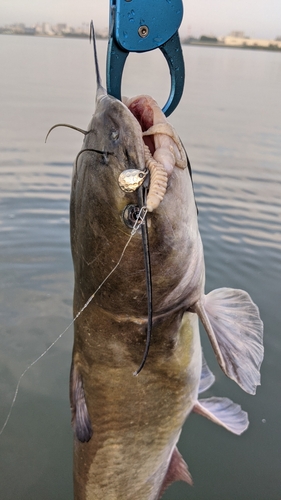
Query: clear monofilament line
(139, 220)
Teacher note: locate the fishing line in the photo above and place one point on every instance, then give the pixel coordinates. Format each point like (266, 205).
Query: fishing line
(140, 218)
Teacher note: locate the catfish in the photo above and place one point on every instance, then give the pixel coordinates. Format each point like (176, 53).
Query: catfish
(126, 427)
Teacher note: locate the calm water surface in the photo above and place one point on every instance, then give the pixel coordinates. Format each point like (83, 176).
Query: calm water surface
(229, 120)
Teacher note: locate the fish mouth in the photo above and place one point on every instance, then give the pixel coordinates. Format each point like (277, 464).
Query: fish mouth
(159, 137)
(163, 150)
(142, 109)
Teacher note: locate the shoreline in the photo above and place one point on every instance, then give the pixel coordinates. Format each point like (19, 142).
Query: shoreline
(230, 46)
(193, 43)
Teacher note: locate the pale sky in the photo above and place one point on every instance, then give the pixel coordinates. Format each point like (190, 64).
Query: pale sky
(257, 18)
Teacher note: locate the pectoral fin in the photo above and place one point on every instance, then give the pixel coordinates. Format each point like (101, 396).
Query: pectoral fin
(223, 411)
(177, 471)
(207, 377)
(80, 421)
(232, 322)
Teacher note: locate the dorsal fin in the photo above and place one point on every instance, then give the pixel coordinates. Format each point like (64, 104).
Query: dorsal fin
(177, 471)
(100, 89)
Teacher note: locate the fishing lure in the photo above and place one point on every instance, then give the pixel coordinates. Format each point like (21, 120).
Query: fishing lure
(158, 181)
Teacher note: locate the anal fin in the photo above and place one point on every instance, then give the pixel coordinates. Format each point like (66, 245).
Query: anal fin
(224, 412)
(232, 322)
(80, 421)
(177, 471)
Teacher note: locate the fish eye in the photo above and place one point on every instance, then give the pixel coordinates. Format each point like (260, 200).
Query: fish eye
(114, 135)
(130, 215)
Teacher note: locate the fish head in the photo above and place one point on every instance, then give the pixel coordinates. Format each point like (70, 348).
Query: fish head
(131, 136)
(115, 130)
(113, 144)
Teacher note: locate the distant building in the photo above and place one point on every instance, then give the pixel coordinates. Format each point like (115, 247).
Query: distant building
(18, 28)
(208, 38)
(29, 31)
(60, 28)
(236, 41)
(47, 29)
(238, 34)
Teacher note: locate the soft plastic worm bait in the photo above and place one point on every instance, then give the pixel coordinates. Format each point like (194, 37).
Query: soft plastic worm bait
(158, 181)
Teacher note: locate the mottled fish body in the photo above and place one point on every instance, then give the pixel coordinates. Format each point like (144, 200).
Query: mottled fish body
(125, 427)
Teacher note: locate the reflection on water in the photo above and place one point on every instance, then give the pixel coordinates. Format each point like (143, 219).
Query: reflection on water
(229, 121)
(246, 213)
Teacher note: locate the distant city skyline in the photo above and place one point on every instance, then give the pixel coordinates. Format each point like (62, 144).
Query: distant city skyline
(256, 18)
(233, 39)
(236, 39)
